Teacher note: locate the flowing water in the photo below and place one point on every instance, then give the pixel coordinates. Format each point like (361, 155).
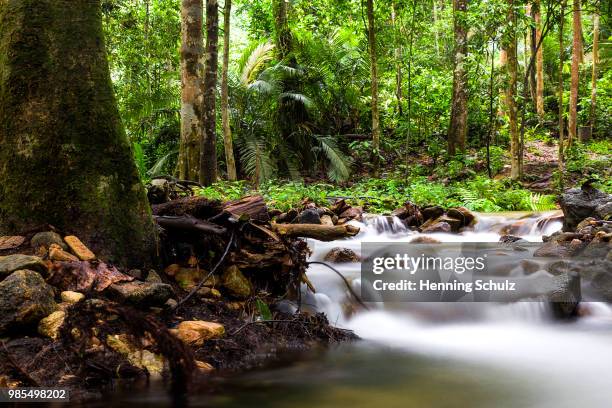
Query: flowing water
(436, 354)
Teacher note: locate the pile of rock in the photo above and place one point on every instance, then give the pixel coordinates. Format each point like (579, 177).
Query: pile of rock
(435, 218)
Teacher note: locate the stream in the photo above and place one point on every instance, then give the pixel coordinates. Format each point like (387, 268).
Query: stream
(433, 354)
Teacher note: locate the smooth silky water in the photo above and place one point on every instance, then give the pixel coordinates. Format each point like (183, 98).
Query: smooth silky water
(431, 354)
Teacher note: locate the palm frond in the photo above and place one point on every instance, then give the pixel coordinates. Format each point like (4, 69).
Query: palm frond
(158, 167)
(339, 164)
(255, 61)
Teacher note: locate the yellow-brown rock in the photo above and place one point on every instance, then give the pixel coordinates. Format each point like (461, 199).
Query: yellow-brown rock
(71, 297)
(58, 254)
(50, 325)
(79, 248)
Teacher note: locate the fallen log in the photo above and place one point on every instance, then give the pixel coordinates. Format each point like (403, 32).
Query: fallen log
(199, 207)
(316, 231)
(189, 223)
(252, 206)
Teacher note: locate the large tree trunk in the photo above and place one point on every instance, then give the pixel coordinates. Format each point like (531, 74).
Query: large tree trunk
(284, 38)
(457, 131)
(65, 159)
(225, 118)
(374, 86)
(575, 71)
(208, 156)
(537, 15)
(503, 68)
(398, 58)
(192, 98)
(595, 67)
(560, 92)
(509, 40)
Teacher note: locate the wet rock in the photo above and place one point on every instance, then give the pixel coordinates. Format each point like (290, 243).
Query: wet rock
(50, 325)
(553, 249)
(25, 298)
(327, 220)
(141, 294)
(341, 255)
(596, 275)
(439, 225)
(565, 298)
(56, 253)
(309, 216)
(466, 217)
(210, 293)
(153, 277)
(196, 332)
(410, 214)
(145, 359)
(79, 248)
(339, 206)
(12, 263)
(46, 239)
(511, 239)
(287, 217)
(71, 297)
(187, 278)
(425, 240)
(353, 213)
(578, 204)
(11, 242)
(135, 273)
(236, 283)
(432, 212)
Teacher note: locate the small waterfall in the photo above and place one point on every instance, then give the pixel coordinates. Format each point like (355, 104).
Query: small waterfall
(386, 224)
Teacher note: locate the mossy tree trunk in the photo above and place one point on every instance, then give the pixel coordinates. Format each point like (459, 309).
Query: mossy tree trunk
(575, 72)
(65, 159)
(539, 71)
(457, 132)
(228, 144)
(374, 86)
(509, 44)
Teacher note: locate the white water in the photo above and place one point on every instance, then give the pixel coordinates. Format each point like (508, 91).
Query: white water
(570, 362)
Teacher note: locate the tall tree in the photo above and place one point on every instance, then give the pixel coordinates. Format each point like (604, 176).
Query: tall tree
(539, 62)
(65, 159)
(284, 38)
(398, 57)
(560, 90)
(575, 71)
(509, 44)
(225, 118)
(374, 86)
(208, 155)
(457, 132)
(595, 68)
(192, 97)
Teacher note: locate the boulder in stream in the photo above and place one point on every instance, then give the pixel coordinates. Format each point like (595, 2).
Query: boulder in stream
(341, 255)
(580, 203)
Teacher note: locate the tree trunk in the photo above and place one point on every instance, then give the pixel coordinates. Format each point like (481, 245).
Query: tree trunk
(457, 131)
(503, 67)
(537, 15)
(398, 58)
(316, 231)
(208, 155)
(65, 158)
(284, 39)
(374, 81)
(560, 91)
(595, 67)
(227, 131)
(509, 39)
(192, 98)
(575, 71)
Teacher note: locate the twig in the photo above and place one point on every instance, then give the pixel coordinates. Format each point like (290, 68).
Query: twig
(346, 282)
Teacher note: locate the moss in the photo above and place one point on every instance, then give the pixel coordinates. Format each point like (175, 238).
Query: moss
(65, 159)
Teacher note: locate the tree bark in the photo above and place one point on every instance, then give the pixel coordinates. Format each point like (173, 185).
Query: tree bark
(208, 155)
(225, 117)
(509, 40)
(457, 131)
(65, 159)
(560, 92)
(316, 231)
(575, 72)
(374, 86)
(595, 67)
(192, 98)
(284, 39)
(398, 58)
(537, 15)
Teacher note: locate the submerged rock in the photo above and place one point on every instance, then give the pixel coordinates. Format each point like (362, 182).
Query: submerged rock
(12, 263)
(25, 298)
(341, 255)
(141, 294)
(578, 204)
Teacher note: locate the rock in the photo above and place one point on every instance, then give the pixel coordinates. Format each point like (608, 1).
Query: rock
(46, 239)
(206, 292)
(204, 367)
(141, 294)
(196, 332)
(171, 304)
(341, 255)
(432, 212)
(144, 359)
(327, 220)
(71, 297)
(12, 263)
(339, 206)
(424, 240)
(25, 298)
(153, 277)
(463, 214)
(565, 298)
(309, 216)
(187, 278)
(135, 273)
(511, 239)
(287, 217)
(410, 214)
(353, 213)
(578, 204)
(437, 227)
(11, 242)
(56, 253)
(79, 249)
(172, 270)
(236, 283)
(50, 325)
(553, 249)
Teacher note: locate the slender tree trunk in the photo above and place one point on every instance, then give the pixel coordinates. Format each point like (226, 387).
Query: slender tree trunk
(560, 91)
(436, 35)
(192, 121)
(65, 159)
(575, 71)
(537, 15)
(503, 67)
(374, 80)
(511, 107)
(208, 155)
(227, 131)
(284, 38)
(457, 131)
(398, 59)
(595, 67)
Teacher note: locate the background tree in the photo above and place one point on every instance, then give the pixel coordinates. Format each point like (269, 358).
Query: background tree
(208, 160)
(539, 61)
(575, 71)
(66, 160)
(228, 144)
(374, 84)
(457, 132)
(192, 86)
(509, 44)
(595, 69)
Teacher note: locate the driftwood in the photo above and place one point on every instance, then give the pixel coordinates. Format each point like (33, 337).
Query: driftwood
(252, 206)
(316, 231)
(189, 223)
